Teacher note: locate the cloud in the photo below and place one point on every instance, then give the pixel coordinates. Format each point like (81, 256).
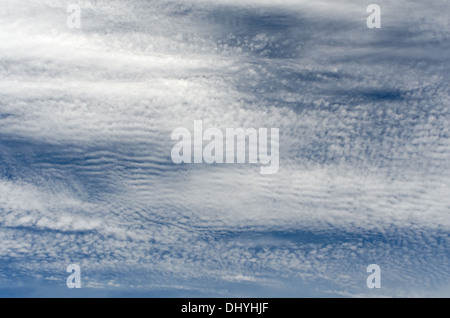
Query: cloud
(86, 175)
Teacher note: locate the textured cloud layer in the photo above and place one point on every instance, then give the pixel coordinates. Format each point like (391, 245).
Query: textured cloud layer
(86, 175)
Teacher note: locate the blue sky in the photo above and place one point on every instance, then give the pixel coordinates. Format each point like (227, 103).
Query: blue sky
(86, 175)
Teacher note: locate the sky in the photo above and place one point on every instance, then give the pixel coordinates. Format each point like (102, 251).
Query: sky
(86, 175)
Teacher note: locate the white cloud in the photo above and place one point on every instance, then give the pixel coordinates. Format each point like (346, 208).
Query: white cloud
(86, 117)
